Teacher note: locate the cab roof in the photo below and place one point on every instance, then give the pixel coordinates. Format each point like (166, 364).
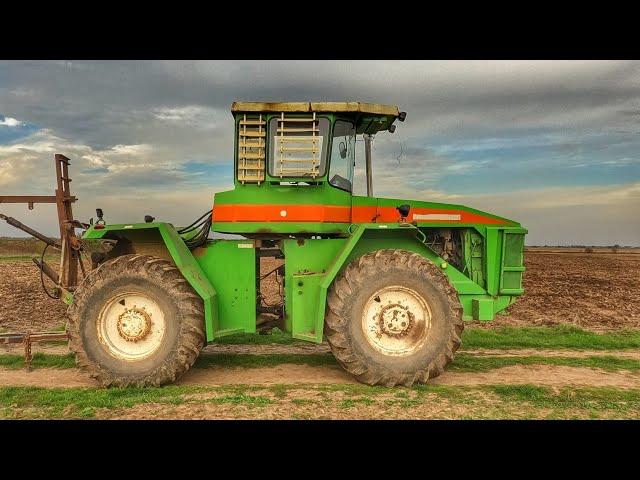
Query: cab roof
(346, 107)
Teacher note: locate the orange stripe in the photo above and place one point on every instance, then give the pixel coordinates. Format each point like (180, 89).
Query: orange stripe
(364, 214)
(282, 213)
(335, 214)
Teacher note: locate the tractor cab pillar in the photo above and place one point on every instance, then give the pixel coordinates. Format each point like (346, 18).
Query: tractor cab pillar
(368, 138)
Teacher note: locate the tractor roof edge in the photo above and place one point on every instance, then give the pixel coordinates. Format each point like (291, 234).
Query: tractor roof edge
(349, 107)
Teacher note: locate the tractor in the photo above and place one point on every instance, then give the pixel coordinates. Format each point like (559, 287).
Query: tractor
(389, 283)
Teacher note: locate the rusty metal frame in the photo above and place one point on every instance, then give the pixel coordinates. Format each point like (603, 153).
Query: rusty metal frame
(69, 244)
(28, 338)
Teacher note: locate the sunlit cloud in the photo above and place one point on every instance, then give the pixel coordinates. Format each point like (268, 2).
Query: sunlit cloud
(10, 122)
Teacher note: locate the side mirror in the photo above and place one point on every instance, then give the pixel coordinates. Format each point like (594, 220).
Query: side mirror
(341, 183)
(343, 149)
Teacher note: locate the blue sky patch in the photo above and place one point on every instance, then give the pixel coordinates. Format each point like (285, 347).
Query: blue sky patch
(10, 133)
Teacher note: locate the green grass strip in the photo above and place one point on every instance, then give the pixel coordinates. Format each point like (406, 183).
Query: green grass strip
(275, 336)
(82, 402)
(51, 259)
(39, 360)
(562, 336)
(597, 398)
(35, 402)
(465, 362)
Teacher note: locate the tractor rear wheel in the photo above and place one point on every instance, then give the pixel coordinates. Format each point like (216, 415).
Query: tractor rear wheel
(393, 318)
(135, 321)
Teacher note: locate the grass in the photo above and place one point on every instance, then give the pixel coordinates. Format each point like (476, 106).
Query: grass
(83, 402)
(39, 360)
(354, 402)
(472, 363)
(493, 401)
(276, 336)
(242, 399)
(585, 397)
(562, 336)
(50, 259)
(463, 362)
(45, 360)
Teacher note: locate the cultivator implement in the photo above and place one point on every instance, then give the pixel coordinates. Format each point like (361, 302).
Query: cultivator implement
(69, 246)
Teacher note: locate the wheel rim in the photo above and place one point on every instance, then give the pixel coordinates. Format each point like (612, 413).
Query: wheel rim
(131, 326)
(396, 320)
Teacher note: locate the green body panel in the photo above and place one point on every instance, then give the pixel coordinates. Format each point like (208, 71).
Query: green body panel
(306, 258)
(482, 308)
(265, 194)
(264, 228)
(230, 266)
(304, 297)
(323, 259)
(394, 202)
(321, 194)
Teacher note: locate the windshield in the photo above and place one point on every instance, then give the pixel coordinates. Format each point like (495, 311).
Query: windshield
(343, 155)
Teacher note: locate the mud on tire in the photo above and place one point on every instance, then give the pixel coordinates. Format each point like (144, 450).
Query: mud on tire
(136, 276)
(353, 290)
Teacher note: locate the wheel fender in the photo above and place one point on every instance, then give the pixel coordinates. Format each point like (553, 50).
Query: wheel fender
(179, 253)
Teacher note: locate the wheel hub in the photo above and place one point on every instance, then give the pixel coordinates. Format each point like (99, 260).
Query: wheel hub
(134, 324)
(131, 326)
(396, 320)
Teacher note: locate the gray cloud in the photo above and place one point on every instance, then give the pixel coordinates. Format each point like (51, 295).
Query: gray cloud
(140, 123)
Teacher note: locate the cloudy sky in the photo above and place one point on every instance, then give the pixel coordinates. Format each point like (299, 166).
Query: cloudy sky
(554, 145)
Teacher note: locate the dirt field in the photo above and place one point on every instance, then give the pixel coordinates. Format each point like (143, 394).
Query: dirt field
(593, 291)
(598, 292)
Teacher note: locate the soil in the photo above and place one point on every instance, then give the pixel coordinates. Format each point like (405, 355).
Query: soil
(290, 374)
(25, 307)
(598, 292)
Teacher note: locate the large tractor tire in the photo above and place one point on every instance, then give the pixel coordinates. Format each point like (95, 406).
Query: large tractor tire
(135, 321)
(393, 318)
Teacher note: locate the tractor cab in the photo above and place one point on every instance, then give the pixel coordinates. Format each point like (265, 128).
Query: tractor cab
(294, 165)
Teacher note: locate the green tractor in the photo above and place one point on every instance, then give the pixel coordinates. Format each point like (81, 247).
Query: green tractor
(387, 282)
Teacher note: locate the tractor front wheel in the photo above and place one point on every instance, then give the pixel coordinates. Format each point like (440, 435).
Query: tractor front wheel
(135, 321)
(393, 318)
